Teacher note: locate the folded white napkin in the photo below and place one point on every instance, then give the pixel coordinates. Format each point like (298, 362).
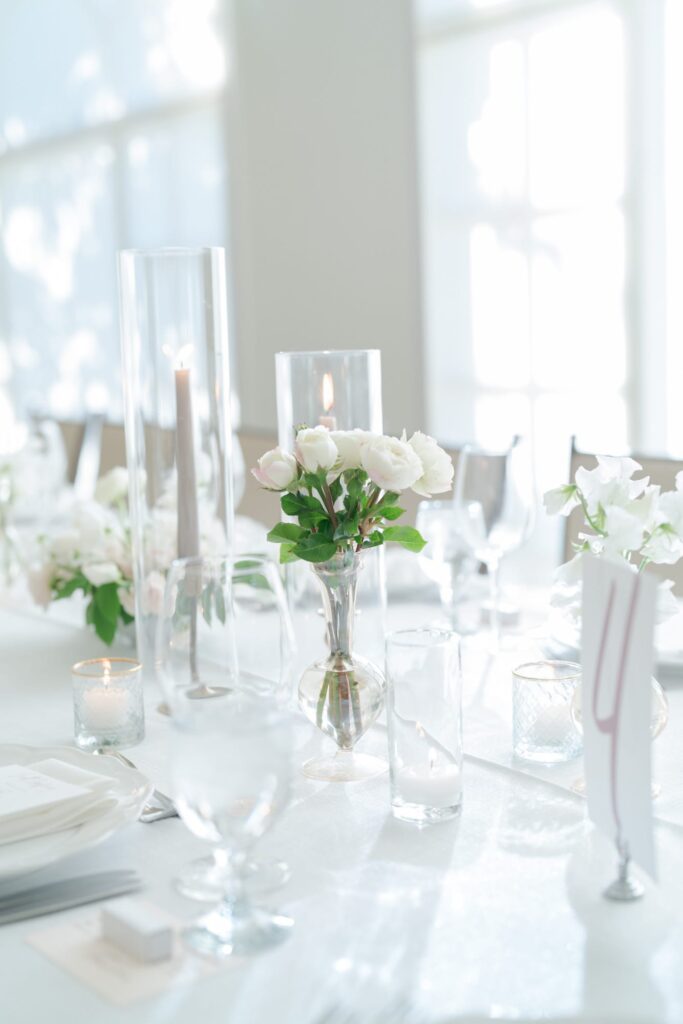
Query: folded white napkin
(49, 796)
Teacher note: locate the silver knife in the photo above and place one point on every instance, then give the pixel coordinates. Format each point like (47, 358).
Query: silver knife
(73, 892)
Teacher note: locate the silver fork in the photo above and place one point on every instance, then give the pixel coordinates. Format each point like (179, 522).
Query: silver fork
(158, 806)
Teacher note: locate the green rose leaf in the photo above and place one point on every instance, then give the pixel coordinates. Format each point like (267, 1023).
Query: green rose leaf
(107, 602)
(105, 628)
(390, 513)
(287, 553)
(407, 536)
(285, 533)
(315, 548)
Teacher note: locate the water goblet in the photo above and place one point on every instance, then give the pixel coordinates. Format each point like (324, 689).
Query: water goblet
(495, 493)
(243, 642)
(231, 771)
(447, 558)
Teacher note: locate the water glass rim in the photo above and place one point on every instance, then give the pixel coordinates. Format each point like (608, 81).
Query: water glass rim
(421, 636)
(573, 671)
(329, 352)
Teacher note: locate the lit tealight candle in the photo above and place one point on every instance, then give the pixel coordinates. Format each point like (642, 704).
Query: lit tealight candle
(327, 396)
(108, 702)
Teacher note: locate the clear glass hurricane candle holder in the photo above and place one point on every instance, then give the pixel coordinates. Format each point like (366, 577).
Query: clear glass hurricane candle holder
(542, 726)
(425, 724)
(108, 705)
(176, 391)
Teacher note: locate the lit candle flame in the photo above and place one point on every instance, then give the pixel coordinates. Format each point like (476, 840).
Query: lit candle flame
(328, 392)
(179, 358)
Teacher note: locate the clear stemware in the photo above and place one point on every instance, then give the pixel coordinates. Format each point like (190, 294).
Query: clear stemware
(494, 492)
(447, 559)
(231, 772)
(243, 642)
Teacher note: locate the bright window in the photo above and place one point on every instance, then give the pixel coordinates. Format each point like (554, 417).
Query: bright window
(111, 135)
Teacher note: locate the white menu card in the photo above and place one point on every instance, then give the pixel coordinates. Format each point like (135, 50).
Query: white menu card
(618, 618)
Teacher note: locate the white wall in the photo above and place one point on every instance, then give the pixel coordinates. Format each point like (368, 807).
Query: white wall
(323, 193)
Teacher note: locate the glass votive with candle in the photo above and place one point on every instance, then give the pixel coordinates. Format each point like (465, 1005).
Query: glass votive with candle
(424, 696)
(108, 705)
(542, 726)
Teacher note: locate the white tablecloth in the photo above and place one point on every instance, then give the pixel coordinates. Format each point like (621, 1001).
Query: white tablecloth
(495, 916)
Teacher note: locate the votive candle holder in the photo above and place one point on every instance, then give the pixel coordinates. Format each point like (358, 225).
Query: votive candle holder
(108, 703)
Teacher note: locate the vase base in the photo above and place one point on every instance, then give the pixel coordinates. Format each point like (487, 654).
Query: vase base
(344, 767)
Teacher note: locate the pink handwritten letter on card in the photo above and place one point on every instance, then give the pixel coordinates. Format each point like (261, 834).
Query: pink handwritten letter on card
(618, 616)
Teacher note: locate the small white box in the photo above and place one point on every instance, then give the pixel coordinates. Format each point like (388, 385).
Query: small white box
(139, 929)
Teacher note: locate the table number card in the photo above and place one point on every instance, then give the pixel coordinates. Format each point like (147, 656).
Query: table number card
(618, 616)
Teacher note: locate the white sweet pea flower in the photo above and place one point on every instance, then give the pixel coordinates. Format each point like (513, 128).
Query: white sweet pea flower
(112, 487)
(624, 529)
(276, 470)
(391, 464)
(671, 509)
(663, 546)
(437, 465)
(315, 449)
(561, 500)
(571, 572)
(610, 483)
(99, 573)
(350, 444)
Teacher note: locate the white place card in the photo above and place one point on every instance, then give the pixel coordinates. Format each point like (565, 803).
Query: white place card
(24, 790)
(618, 618)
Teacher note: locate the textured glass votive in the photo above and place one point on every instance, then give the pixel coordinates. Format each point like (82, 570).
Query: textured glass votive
(542, 726)
(424, 724)
(108, 705)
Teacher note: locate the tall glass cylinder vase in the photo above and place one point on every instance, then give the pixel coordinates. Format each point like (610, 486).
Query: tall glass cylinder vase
(340, 390)
(176, 384)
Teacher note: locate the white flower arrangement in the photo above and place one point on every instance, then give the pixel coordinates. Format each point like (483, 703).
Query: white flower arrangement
(343, 487)
(93, 554)
(630, 521)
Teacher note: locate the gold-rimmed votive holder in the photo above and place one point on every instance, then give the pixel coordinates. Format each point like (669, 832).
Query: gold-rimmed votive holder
(108, 704)
(542, 725)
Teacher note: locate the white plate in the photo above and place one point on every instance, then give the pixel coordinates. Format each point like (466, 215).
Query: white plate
(129, 787)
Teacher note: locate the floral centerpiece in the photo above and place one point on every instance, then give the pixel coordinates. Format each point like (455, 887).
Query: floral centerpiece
(340, 490)
(93, 555)
(627, 519)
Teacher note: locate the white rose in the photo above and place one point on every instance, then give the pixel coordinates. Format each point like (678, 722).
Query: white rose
(437, 465)
(390, 463)
(127, 599)
(153, 593)
(99, 573)
(64, 547)
(39, 585)
(112, 487)
(350, 444)
(276, 470)
(315, 449)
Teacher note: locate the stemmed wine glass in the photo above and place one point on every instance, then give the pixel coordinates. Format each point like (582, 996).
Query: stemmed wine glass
(241, 642)
(231, 772)
(494, 492)
(447, 558)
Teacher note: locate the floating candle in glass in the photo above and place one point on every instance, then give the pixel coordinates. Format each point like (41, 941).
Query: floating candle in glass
(108, 705)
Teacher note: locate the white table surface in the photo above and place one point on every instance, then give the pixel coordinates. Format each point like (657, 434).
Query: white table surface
(495, 916)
